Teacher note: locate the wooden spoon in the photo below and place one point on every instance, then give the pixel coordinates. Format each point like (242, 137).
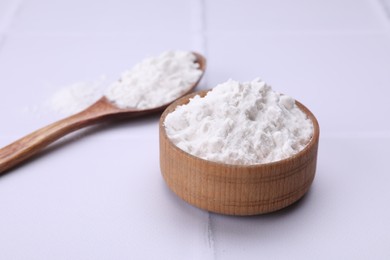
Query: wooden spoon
(101, 111)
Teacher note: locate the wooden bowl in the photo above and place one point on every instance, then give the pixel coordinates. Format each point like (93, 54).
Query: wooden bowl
(237, 189)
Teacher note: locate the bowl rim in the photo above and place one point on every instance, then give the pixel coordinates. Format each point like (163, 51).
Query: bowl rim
(313, 140)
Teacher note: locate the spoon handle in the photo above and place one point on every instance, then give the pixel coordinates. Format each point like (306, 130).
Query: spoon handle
(24, 148)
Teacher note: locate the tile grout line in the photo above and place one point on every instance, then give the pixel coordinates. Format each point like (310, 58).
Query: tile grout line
(210, 234)
(203, 21)
(10, 16)
(199, 33)
(9, 19)
(385, 6)
(198, 27)
(203, 26)
(357, 135)
(202, 34)
(204, 42)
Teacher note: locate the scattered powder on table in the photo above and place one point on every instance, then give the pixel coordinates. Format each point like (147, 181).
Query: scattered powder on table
(153, 82)
(240, 123)
(77, 97)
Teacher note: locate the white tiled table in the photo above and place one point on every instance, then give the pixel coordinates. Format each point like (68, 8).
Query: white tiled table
(99, 194)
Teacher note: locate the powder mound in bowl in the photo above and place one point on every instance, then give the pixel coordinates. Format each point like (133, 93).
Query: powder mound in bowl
(240, 123)
(155, 81)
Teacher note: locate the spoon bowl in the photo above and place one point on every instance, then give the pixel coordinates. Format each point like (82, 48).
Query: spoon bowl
(101, 111)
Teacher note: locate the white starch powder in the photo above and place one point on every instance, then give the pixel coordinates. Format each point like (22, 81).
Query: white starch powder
(155, 81)
(151, 83)
(77, 97)
(240, 123)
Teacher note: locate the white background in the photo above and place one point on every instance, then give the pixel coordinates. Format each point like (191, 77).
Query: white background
(99, 194)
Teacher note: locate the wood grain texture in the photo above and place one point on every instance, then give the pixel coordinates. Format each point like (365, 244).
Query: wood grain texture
(31, 144)
(102, 110)
(237, 189)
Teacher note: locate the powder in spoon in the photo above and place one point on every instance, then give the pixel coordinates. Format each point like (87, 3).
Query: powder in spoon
(240, 123)
(155, 81)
